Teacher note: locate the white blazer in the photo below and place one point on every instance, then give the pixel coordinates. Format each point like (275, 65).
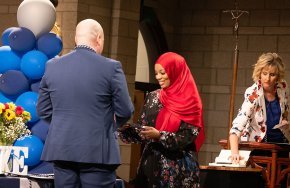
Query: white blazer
(250, 123)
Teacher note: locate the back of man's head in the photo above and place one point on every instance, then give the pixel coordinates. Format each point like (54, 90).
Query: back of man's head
(90, 33)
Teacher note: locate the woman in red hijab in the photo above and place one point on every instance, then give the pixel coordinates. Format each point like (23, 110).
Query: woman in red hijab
(171, 126)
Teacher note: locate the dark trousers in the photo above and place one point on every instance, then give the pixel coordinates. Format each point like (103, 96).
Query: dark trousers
(83, 175)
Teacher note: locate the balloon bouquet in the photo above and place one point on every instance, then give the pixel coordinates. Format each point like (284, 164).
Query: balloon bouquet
(23, 55)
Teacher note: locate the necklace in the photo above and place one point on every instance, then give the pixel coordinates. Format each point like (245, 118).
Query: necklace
(85, 47)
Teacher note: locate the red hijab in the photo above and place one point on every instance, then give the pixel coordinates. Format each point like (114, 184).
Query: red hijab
(181, 100)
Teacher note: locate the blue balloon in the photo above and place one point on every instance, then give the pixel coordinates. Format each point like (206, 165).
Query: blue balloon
(13, 83)
(35, 147)
(4, 99)
(28, 101)
(9, 60)
(33, 64)
(5, 35)
(50, 44)
(40, 129)
(22, 40)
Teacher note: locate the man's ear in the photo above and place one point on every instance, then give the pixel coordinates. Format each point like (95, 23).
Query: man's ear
(99, 38)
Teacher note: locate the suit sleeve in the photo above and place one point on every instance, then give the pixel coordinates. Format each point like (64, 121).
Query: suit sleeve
(44, 106)
(122, 103)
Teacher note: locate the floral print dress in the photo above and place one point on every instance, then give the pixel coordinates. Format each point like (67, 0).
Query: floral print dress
(170, 161)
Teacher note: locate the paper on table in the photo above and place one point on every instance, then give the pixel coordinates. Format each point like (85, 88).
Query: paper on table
(224, 159)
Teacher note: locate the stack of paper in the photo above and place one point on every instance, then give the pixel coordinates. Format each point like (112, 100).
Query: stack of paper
(224, 159)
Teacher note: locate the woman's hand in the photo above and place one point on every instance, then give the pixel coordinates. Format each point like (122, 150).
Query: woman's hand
(234, 143)
(150, 133)
(235, 158)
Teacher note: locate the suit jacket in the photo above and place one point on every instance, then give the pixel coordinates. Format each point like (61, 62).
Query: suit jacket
(250, 123)
(85, 98)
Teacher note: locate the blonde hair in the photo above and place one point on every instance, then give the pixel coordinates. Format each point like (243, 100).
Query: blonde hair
(268, 60)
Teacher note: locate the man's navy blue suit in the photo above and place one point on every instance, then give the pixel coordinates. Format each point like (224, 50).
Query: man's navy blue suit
(85, 98)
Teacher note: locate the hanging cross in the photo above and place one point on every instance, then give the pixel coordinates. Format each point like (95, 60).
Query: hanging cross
(235, 16)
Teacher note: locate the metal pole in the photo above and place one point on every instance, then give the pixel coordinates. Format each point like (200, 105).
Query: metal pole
(233, 89)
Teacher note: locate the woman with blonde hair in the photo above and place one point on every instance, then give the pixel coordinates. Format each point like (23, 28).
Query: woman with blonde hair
(263, 114)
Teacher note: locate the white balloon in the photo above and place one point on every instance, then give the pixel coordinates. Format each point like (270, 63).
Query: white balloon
(37, 15)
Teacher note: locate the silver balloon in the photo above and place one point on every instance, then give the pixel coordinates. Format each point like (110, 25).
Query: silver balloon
(37, 15)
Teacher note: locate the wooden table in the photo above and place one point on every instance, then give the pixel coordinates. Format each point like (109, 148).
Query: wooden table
(274, 171)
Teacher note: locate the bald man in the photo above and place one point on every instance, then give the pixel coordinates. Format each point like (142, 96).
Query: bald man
(84, 97)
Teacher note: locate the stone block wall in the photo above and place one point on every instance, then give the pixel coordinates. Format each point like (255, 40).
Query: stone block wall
(8, 10)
